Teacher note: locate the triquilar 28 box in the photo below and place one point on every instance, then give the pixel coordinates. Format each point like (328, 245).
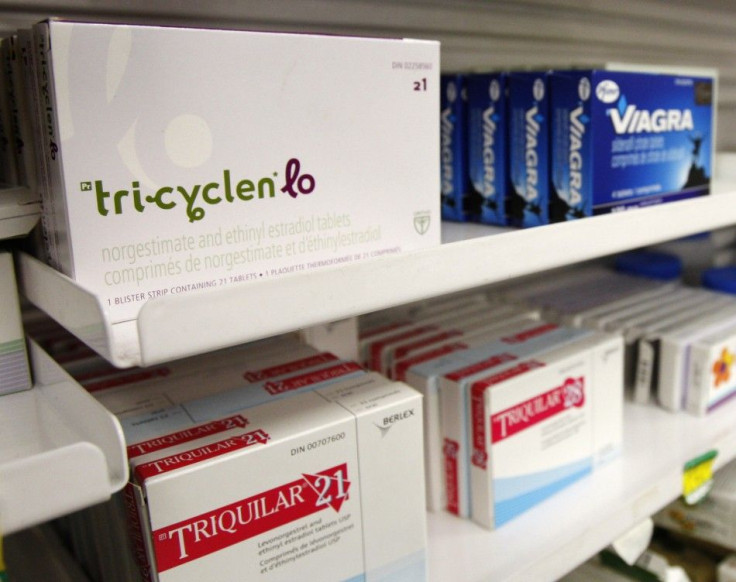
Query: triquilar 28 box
(185, 159)
(624, 139)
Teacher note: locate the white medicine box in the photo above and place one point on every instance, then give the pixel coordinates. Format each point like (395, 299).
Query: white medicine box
(187, 159)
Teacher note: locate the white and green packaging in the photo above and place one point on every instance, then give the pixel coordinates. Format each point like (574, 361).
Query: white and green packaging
(188, 159)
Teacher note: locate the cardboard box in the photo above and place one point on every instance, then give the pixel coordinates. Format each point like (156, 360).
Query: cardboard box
(488, 144)
(458, 201)
(246, 160)
(455, 404)
(344, 462)
(624, 139)
(541, 423)
(640, 338)
(527, 197)
(671, 356)
(711, 380)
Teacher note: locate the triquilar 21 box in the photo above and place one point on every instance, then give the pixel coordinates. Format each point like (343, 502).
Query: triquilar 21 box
(322, 484)
(185, 159)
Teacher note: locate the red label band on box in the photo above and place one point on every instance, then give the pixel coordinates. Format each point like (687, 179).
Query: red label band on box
(528, 334)
(124, 379)
(479, 456)
(215, 530)
(289, 367)
(303, 380)
(209, 451)
(513, 420)
(136, 534)
(406, 350)
(374, 360)
(403, 367)
(478, 367)
(363, 335)
(450, 451)
(186, 435)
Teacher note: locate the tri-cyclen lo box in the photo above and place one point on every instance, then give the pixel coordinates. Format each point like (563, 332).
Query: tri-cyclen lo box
(185, 159)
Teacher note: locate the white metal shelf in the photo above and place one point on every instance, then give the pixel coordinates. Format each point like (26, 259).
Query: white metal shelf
(60, 450)
(176, 326)
(564, 531)
(19, 211)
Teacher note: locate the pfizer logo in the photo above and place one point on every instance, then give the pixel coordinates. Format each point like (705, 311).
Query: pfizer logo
(538, 90)
(584, 89)
(494, 90)
(451, 92)
(607, 91)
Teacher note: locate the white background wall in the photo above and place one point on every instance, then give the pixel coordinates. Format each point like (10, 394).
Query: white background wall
(475, 34)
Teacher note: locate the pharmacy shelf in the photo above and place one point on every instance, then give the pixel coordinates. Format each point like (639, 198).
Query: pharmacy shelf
(176, 326)
(60, 450)
(564, 531)
(19, 212)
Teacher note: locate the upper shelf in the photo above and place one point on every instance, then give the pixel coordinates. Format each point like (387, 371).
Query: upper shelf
(19, 211)
(565, 530)
(176, 326)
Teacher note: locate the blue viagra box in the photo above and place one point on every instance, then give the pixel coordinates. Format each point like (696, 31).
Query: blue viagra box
(628, 139)
(488, 144)
(529, 149)
(457, 202)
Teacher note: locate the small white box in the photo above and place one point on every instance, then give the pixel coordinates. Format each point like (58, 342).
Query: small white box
(673, 355)
(712, 378)
(14, 372)
(423, 373)
(540, 424)
(187, 159)
(633, 328)
(640, 341)
(342, 498)
(455, 406)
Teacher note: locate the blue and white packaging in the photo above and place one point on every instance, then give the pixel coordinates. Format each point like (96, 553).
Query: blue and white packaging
(529, 122)
(540, 424)
(457, 202)
(624, 139)
(488, 144)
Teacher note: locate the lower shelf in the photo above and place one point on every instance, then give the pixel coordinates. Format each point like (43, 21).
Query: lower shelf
(562, 532)
(60, 450)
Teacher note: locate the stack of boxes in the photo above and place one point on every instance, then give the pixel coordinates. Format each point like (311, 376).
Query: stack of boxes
(272, 460)
(557, 145)
(514, 409)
